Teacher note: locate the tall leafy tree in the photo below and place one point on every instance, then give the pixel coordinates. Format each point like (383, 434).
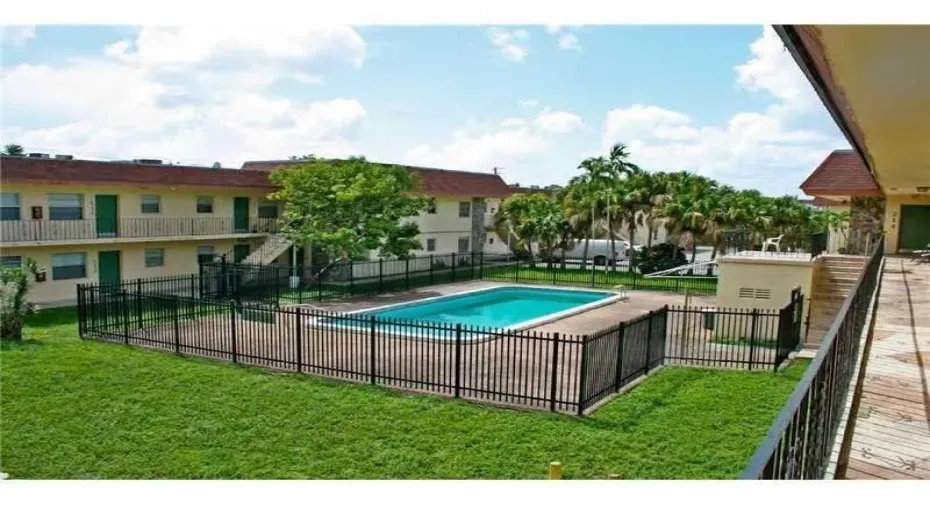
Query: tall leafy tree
(349, 208)
(13, 150)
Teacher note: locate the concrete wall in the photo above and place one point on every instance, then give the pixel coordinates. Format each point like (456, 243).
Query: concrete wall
(778, 275)
(180, 259)
(893, 205)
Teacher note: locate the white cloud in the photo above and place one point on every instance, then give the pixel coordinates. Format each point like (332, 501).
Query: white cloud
(558, 122)
(566, 39)
(770, 150)
(529, 104)
(478, 153)
(512, 44)
(192, 95)
(478, 146)
(17, 35)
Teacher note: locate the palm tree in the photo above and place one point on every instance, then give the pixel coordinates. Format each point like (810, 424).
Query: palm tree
(579, 207)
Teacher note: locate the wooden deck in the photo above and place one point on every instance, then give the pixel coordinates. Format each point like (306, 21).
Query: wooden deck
(891, 438)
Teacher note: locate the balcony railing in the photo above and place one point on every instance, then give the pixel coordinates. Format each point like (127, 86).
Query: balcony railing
(36, 230)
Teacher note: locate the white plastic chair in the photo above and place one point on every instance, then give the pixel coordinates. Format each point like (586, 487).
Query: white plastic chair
(772, 241)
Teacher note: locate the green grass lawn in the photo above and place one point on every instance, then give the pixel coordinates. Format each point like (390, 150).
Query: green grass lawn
(73, 409)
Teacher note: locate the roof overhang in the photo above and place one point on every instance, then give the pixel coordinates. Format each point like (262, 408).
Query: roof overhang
(873, 81)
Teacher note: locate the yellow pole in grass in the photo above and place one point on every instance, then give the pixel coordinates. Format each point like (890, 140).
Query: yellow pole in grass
(555, 470)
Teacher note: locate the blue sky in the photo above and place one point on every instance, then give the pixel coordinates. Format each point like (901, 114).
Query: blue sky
(725, 101)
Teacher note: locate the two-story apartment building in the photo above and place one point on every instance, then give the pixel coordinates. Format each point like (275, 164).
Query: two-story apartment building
(93, 221)
(462, 207)
(98, 221)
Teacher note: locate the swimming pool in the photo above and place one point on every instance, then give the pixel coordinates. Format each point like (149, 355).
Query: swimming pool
(500, 307)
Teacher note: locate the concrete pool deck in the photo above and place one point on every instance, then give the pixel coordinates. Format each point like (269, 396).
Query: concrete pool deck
(636, 304)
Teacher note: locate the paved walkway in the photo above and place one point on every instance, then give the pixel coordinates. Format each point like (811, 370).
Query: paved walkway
(891, 439)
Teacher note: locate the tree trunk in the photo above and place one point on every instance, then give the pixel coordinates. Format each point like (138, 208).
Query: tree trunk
(584, 256)
(693, 254)
(630, 252)
(12, 329)
(649, 230)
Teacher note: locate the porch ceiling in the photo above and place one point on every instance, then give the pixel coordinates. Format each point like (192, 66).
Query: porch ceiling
(875, 80)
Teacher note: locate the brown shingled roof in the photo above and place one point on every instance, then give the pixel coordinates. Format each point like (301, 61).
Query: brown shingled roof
(55, 171)
(841, 173)
(434, 181)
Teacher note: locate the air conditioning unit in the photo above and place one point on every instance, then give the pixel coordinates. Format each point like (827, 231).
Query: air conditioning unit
(64, 157)
(39, 155)
(147, 161)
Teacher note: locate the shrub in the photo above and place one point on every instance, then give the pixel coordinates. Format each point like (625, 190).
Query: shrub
(659, 257)
(14, 286)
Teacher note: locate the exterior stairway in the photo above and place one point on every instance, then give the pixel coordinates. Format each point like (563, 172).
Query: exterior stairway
(273, 247)
(831, 285)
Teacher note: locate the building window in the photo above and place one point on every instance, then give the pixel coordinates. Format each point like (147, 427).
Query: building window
(267, 209)
(464, 209)
(69, 266)
(430, 244)
(204, 254)
(154, 257)
(655, 234)
(11, 261)
(65, 206)
(463, 244)
(151, 204)
(205, 205)
(431, 206)
(9, 207)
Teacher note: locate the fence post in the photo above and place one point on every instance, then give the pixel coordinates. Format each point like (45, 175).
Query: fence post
(232, 321)
(93, 310)
(516, 270)
(458, 359)
(593, 272)
(381, 275)
(453, 267)
(319, 286)
(372, 335)
(125, 311)
(431, 269)
(553, 370)
(407, 272)
(299, 331)
(80, 310)
(652, 314)
(139, 301)
(664, 332)
(584, 375)
(752, 337)
(552, 267)
(177, 324)
(481, 265)
(618, 378)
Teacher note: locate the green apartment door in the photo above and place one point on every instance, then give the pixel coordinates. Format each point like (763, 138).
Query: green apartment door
(914, 229)
(240, 252)
(105, 209)
(108, 269)
(241, 214)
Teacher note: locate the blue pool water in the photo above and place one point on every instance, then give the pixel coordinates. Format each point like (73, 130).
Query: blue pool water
(496, 308)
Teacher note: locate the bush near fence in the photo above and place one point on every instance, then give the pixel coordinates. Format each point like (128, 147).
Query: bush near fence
(565, 373)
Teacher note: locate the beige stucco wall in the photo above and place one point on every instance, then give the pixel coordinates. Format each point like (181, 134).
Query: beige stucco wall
(893, 205)
(175, 201)
(779, 275)
(180, 259)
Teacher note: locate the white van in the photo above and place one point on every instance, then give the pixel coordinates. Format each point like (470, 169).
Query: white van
(599, 251)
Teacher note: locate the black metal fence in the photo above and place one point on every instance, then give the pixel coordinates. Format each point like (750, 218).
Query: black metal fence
(799, 443)
(280, 283)
(565, 373)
